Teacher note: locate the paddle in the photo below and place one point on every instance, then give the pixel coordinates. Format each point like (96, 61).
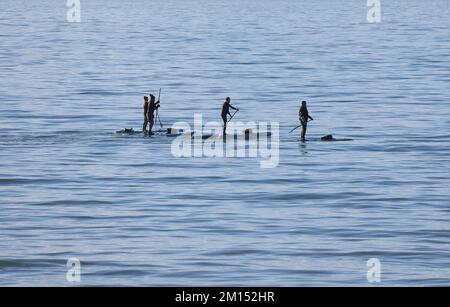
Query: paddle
(298, 127)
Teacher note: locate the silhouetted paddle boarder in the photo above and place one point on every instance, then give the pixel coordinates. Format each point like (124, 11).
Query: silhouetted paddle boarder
(145, 107)
(303, 115)
(225, 112)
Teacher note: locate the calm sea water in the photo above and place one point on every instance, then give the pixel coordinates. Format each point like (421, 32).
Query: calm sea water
(135, 215)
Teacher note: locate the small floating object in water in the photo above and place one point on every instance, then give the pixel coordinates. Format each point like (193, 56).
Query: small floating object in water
(326, 138)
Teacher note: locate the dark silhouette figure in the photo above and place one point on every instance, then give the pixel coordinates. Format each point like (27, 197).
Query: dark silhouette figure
(145, 107)
(303, 115)
(225, 112)
(328, 137)
(151, 109)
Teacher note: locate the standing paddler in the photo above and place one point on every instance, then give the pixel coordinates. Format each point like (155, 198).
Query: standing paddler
(225, 112)
(303, 116)
(153, 105)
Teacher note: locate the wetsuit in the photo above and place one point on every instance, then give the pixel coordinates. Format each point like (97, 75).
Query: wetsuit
(145, 106)
(303, 115)
(152, 107)
(226, 111)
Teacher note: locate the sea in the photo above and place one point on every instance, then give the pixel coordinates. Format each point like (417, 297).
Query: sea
(81, 205)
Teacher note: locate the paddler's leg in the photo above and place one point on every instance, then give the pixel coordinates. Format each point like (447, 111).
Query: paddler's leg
(225, 120)
(304, 126)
